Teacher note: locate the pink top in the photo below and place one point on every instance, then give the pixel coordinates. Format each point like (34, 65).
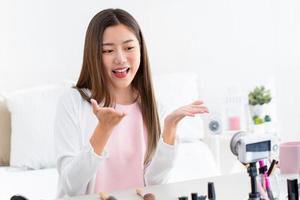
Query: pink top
(126, 147)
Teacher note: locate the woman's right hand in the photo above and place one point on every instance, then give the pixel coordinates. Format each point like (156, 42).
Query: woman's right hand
(107, 117)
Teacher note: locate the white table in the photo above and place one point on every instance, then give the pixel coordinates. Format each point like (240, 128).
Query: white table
(233, 187)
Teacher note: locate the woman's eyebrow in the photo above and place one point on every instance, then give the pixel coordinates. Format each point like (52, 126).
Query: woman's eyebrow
(111, 44)
(127, 41)
(107, 44)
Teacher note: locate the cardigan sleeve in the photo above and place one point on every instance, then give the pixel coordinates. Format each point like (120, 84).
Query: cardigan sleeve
(157, 172)
(76, 164)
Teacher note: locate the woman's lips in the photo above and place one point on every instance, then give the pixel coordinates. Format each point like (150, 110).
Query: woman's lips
(121, 72)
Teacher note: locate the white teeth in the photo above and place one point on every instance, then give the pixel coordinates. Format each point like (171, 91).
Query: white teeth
(120, 70)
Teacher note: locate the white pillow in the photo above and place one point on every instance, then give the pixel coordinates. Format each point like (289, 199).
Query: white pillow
(32, 121)
(173, 91)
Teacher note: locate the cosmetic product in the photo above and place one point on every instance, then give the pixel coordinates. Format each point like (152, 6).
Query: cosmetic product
(262, 191)
(293, 189)
(183, 198)
(148, 196)
(262, 171)
(211, 191)
(105, 196)
(202, 197)
(289, 159)
(18, 197)
(194, 196)
(111, 198)
(234, 109)
(272, 167)
(234, 123)
(268, 187)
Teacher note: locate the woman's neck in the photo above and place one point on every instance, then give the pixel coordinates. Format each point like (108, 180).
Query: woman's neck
(124, 96)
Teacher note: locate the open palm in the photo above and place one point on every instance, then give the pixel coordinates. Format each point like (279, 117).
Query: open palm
(191, 110)
(172, 120)
(108, 117)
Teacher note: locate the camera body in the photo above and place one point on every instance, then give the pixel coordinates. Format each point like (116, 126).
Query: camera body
(250, 147)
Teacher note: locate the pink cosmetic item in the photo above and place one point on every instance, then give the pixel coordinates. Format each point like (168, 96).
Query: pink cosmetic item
(289, 157)
(262, 191)
(263, 171)
(268, 187)
(234, 123)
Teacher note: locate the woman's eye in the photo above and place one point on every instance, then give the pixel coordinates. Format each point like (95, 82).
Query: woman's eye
(129, 48)
(107, 51)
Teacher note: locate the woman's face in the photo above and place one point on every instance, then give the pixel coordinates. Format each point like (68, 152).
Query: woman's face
(121, 55)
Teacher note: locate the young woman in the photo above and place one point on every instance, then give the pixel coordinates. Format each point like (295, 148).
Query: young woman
(116, 144)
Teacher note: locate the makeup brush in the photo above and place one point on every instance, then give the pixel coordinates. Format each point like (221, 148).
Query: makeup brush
(104, 196)
(272, 166)
(148, 196)
(268, 188)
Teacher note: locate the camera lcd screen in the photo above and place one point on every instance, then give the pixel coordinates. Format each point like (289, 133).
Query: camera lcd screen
(259, 146)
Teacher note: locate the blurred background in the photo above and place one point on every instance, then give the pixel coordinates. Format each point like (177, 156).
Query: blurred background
(228, 44)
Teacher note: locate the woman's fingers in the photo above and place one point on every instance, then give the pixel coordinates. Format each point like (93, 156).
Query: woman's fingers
(107, 115)
(121, 114)
(195, 109)
(188, 113)
(197, 102)
(189, 110)
(94, 105)
(198, 107)
(105, 110)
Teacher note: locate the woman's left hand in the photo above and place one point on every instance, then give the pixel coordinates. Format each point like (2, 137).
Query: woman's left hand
(172, 120)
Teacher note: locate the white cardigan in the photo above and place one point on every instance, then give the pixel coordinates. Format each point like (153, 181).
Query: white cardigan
(77, 163)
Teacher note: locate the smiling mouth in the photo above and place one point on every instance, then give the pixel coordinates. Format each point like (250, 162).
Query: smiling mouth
(121, 73)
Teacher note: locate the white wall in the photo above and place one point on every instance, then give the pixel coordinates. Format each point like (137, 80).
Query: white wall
(227, 43)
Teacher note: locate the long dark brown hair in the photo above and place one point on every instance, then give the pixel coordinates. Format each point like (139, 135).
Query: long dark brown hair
(93, 76)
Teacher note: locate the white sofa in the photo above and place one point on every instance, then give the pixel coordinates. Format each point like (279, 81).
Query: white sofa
(27, 162)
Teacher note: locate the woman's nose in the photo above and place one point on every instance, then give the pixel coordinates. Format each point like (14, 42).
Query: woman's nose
(120, 57)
